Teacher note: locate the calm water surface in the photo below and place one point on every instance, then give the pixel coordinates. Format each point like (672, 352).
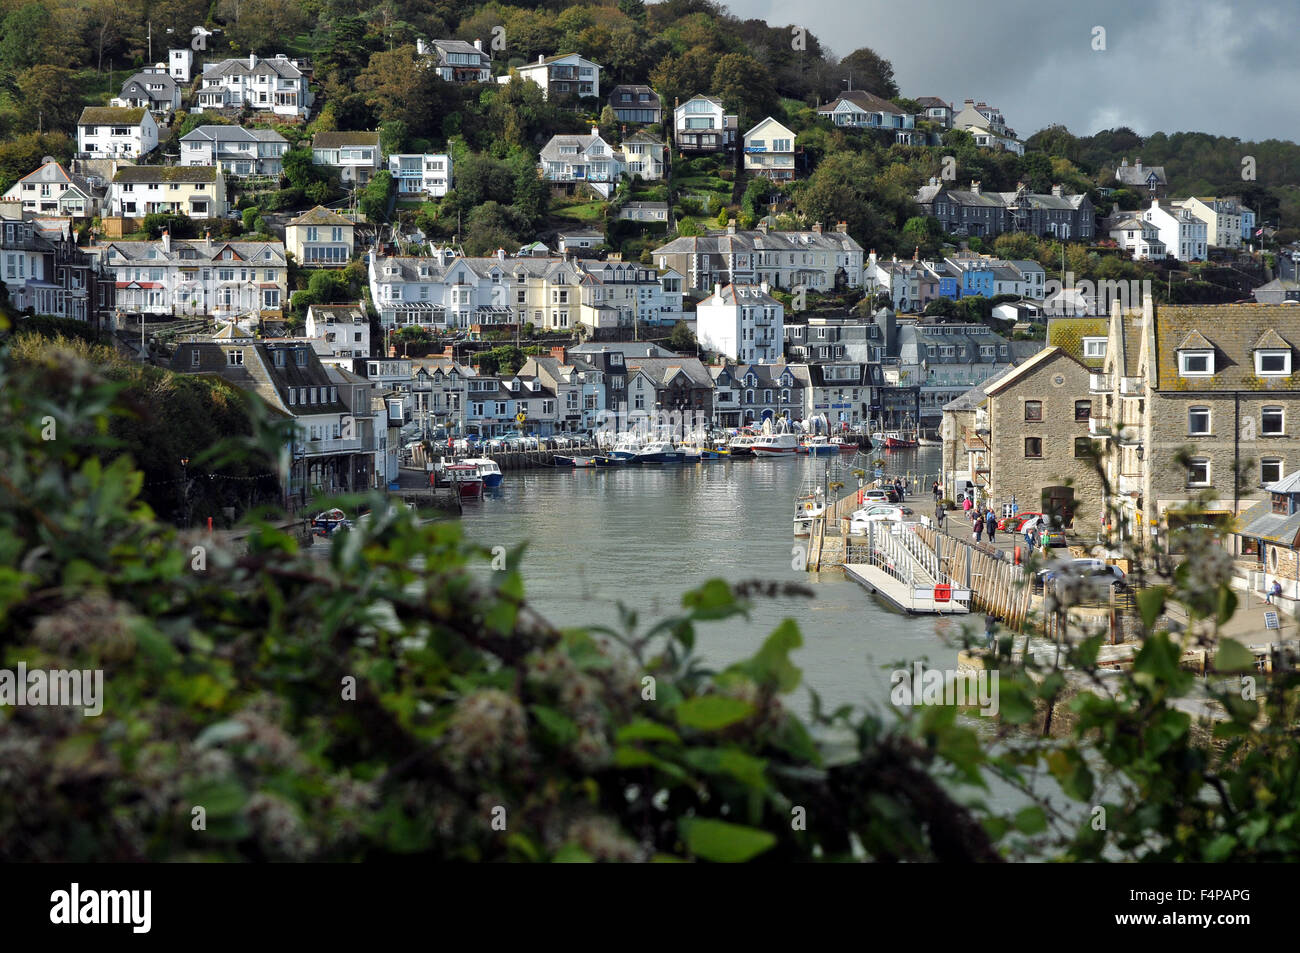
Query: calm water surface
(644, 535)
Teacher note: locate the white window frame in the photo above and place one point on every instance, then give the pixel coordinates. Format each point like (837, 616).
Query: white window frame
(1273, 352)
(1281, 413)
(1270, 461)
(1094, 347)
(1209, 476)
(1209, 421)
(1185, 371)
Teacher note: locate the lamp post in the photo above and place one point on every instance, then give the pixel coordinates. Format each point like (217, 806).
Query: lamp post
(185, 489)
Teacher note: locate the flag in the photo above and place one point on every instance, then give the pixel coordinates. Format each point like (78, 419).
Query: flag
(1259, 232)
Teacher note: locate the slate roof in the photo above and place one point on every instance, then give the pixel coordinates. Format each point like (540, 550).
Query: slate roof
(214, 132)
(745, 242)
(1232, 330)
(239, 66)
(1068, 335)
(1137, 175)
(53, 173)
(866, 101)
(321, 216)
(744, 295)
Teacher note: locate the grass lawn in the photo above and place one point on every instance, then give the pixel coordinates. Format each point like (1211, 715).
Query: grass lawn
(709, 182)
(588, 212)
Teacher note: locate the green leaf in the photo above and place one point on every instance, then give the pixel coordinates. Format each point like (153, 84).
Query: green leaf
(559, 726)
(1031, 820)
(219, 798)
(712, 712)
(713, 600)
(219, 733)
(725, 843)
(643, 729)
(572, 854)
(1233, 657)
(743, 767)
(771, 666)
(1151, 602)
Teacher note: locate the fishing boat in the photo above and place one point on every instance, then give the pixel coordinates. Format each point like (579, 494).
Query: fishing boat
(603, 461)
(776, 445)
(330, 522)
(807, 508)
(487, 469)
(894, 439)
(844, 446)
(625, 449)
(464, 477)
(563, 462)
(584, 463)
(817, 447)
(659, 451)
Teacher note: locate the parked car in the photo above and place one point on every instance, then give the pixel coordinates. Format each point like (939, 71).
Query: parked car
(1088, 568)
(878, 513)
(879, 496)
(1016, 524)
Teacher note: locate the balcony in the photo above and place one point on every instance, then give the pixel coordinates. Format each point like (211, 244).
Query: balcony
(1129, 484)
(312, 448)
(1128, 436)
(1099, 427)
(1130, 386)
(1100, 384)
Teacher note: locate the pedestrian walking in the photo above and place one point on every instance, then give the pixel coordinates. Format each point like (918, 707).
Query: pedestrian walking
(965, 504)
(978, 525)
(990, 524)
(937, 490)
(939, 515)
(990, 630)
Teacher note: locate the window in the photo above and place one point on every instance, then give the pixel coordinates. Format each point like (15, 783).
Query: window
(194, 358)
(1034, 411)
(235, 358)
(1033, 446)
(1270, 421)
(1082, 409)
(1198, 471)
(1275, 363)
(1196, 363)
(1082, 447)
(1270, 470)
(1094, 347)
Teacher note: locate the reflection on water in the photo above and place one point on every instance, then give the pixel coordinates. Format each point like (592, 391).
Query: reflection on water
(645, 535)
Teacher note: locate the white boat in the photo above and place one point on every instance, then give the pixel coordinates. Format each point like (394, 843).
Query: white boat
(658, 451)
(776, 445)
(742, 445)
(806, 509)
(487, 470)
(818, 446)
(625, 448)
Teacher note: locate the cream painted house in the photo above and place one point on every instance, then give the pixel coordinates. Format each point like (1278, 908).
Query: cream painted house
(320, 239)
(198, 191)
(769, 151)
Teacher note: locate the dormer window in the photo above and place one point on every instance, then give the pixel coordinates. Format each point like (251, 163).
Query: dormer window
(1272, 362)
(1196, 363)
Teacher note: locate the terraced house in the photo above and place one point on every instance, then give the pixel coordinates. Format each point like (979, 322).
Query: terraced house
(1197, 401)
(978, 213)
(42, 268)
(223, 279)
(816, 259)
(140, 190)
(238, 151)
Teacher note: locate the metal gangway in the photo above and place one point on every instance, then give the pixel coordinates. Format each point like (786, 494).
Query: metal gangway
(894, 563)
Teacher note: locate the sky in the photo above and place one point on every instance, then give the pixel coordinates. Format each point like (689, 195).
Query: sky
(1217, 66)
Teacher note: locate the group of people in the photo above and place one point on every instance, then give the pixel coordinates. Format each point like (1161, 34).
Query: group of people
(983, 520)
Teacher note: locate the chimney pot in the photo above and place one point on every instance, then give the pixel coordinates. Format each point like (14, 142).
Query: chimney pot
(252, 60)
(541, 57)
(478, 45)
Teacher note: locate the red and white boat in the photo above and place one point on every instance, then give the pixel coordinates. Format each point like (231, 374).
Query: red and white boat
(776, 445)
(844, 446)
(894, 439)
(466, 479)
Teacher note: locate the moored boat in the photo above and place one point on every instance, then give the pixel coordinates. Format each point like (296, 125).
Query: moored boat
(742, 445)
(464, 477)
(776, 445)
(487, 470)
(330, 522)
(894, 439)
(806, 509)
(603, 461)
(817, 446)
(659, 451)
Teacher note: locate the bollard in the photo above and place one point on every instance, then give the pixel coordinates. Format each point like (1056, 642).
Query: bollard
(209, 525)
(1017, 559)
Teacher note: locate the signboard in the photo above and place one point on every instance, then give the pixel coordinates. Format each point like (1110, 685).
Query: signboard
(521, 417)
(1270, 620)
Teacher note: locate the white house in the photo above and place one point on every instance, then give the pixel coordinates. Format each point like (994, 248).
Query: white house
(240, 152)
(354, 155)
(565, 75)
(180, 63)
(52, 190)
(154, 89)
(1140, 238)
(588, 159)
(224, 279)
(109, 131)
(339, 330)
(418, 174)
(457, 61)
(440, 291)
(743, 322)
(988, 127)
(1183, 234)
(1222, 218)
(858, 109)
(277, 85)
(701, 125)
(769, 151)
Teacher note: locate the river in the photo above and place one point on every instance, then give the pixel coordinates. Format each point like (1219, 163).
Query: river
(644, 535)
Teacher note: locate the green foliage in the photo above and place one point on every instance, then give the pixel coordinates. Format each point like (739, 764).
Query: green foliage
(177, 226)
(375, 197)
(682, 340)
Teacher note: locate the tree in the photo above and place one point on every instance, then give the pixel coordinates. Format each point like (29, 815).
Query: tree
(745, 85)
(924, 232)
(398, 85)
(870, 72)
(375, 196)
(50, 98)
(26, 34)
(250, 25)
(682, 340)
(24, 153)
(608, 123)
(298, 168)
(678, 78)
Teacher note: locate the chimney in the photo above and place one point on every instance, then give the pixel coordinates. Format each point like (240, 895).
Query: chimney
(1056, 190)
(1124, 163)
(595, 130)
(1138, 164)
(449, 351)
(541, 58)
(717, 290)
(763, 286)
(252, 61)
(478, 45)
(559, 353)
(975, 186)
(762, 226)
(731, 226)
(166, 242)
(842, 228)
(817, 228)
(392, 350)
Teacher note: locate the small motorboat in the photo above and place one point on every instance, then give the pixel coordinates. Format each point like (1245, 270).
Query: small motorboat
(563, 462)
(894, 439)
(487, 469)
(817, 447)
(330, 522)
(625, 449)
(464, 477)
(584, 463)
(844, 446)
(659, 451)
(742, 445)
(603, 461)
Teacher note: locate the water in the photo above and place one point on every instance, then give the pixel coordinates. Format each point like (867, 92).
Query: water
(647, 534)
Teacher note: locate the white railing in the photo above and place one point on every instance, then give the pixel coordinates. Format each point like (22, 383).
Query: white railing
(1099, 383)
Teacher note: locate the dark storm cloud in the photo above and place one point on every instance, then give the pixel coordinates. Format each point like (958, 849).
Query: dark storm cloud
(1169, 65)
